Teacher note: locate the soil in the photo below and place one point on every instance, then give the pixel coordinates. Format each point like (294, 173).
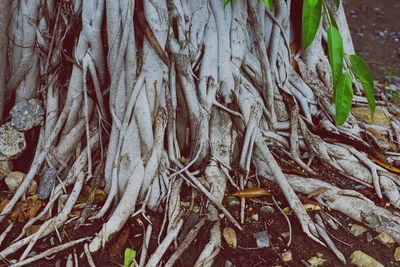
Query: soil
(376, 35)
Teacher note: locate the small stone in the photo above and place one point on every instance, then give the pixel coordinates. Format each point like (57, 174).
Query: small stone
(12, 142)
(5, 168)
(397, 254)
(262, 239)
(316, 261)
(27, 114)
(47, 182)
(285, 234)
(287, 256)
(358, 230)
(14, 180)
(361, 259)
(255, 217)
(385, 239)
(267, 209)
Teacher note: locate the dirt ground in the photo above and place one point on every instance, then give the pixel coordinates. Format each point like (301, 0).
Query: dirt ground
(375, 30)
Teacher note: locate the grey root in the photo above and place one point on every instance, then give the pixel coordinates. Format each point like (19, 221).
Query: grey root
(188, 92)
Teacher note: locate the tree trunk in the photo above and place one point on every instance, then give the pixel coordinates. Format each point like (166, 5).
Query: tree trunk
(140, 98)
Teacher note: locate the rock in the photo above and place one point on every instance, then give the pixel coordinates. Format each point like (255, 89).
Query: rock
(267, 209)
(316, 261)
(27, 114)
(285, 234)
(262, 239)
(12, 142)
(397, 254)
(358, 230)
(361, 259)
(5, 168)
(255, 217)
(385, 239)
(47, 182)
(287, 256)
(14, 180)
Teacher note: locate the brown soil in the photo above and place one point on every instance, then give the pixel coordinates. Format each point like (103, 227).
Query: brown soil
(376, 34)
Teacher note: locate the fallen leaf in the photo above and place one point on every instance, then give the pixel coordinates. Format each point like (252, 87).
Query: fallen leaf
(33, 206)
(252, 192)
(361, 259)
(387, 166)
(230, 237)
(307, 207)
(99, 196)
(317, 192)
(3, 203)
(397, 254)
(116, 248)
(30, 230)
(385, 239)
(311, 207)
(379, 118)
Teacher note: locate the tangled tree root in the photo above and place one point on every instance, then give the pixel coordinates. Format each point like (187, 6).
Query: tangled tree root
(161, 94)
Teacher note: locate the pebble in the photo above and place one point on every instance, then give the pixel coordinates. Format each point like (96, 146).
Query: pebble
(47, 182)
(397, 254)
(358, 230)
(27, 114)
(5, 168)
(14, 180)
(12, 142)
(262, 239)
(267, 209)
(287, 256)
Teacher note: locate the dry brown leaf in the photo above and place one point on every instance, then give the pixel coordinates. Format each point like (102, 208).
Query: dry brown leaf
(30, 230)
(317, 192)
(252, 192)
(380, 118)
(386, 165)
(33, 206)
(3, 203)
(116, 248)
(99, 196)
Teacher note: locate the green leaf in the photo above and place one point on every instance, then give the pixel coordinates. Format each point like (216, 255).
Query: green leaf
(336, 54)
(364, 75)
(310, 21)
(226, 2)
(268, 4)
(312, 3)
(337, 3)
(129, 256)
(343, 98)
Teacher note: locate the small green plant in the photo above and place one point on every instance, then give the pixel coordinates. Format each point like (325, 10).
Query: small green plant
(345, 68)
(129, 256)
